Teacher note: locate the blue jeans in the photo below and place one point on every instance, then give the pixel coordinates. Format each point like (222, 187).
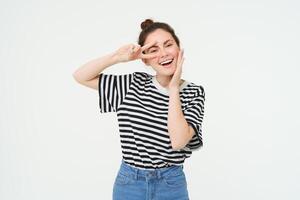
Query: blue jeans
(132, 183)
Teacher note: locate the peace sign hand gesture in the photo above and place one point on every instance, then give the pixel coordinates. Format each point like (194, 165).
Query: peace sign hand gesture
(131, 52)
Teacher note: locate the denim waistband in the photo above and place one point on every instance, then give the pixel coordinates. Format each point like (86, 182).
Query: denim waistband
(136, 173)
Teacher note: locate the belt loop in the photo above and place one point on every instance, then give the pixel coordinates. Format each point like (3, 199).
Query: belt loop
(136, 174)
(159, 173)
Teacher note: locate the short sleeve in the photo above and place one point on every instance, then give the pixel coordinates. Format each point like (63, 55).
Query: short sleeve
(112, 90)
(194, 114)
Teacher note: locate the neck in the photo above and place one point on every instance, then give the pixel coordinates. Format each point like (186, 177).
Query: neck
(165, 80)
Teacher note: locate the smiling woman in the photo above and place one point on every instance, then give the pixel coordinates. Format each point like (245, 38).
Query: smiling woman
(160, 116)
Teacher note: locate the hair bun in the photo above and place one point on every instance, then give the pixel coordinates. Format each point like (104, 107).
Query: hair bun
(146, 23)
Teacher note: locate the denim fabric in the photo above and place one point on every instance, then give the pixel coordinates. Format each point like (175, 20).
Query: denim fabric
(133, 183)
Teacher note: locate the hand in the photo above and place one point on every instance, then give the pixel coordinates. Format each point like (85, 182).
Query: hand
(176, 78)
(131, 52)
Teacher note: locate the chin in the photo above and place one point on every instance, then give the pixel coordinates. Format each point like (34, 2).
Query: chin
(167, 72)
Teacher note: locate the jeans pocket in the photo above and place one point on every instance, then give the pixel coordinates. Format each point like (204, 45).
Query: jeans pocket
(175, 180)
(122, 179)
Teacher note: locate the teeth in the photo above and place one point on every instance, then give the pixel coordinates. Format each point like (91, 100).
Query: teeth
(167, 61)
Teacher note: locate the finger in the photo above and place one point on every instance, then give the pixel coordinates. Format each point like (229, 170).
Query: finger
(179, 59)
(181, 63)
(148, 56)
(136, 48)
(131, 48)
(148, 45)
(181, 53)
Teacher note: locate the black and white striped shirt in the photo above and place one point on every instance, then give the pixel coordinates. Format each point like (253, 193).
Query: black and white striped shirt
(141, 104)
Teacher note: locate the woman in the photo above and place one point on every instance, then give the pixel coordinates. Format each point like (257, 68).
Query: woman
(160, 117)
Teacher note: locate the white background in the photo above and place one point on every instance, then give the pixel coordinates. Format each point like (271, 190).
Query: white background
(55, 144)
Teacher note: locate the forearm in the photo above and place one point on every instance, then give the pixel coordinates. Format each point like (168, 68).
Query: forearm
(178, 127)
(92, 68)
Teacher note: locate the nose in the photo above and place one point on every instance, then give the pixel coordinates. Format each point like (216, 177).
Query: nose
(163, 52)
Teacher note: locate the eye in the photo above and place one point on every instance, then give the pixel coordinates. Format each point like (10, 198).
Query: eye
(152, 51)
(170, 44)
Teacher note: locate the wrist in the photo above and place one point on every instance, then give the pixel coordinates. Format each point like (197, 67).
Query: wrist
(115, 58)
(174, 90)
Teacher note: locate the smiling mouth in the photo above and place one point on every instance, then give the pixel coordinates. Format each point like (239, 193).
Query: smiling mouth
(167, 63)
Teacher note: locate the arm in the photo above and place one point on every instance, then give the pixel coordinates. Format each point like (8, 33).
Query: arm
(88, 73)
(180, 132)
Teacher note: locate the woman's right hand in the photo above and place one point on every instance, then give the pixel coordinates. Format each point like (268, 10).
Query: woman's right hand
(131, 52)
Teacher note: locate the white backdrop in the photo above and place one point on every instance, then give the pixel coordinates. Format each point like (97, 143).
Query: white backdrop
(55, 144)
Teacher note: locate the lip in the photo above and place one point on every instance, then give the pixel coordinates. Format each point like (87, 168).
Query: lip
(166, 60)
(169, 65)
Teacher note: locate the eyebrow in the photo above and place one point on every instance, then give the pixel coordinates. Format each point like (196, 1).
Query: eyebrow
(164, 43)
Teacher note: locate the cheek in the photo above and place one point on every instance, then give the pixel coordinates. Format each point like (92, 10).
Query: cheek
(175, 51)
(176, 55)
(153, 60)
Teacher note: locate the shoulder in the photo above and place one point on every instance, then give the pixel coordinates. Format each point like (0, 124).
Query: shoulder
(142, 76)
(195, 88)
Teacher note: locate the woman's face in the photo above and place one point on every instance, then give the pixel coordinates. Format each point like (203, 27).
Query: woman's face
(166, 50)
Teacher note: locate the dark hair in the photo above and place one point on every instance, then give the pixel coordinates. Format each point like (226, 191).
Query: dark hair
(148, 26)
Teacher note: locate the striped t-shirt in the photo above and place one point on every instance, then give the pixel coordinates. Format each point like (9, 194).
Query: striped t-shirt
(141, 104)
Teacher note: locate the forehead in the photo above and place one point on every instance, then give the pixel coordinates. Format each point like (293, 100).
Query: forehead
(159, 35)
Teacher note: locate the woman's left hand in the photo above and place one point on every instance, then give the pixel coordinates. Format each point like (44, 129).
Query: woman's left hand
(176, 78)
